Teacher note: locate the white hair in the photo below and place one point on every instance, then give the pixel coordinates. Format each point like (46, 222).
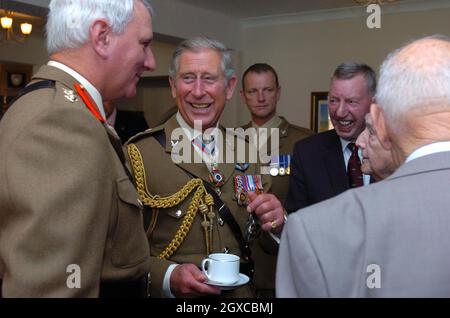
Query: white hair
(69, 21)
(415, 81)
(199, 43)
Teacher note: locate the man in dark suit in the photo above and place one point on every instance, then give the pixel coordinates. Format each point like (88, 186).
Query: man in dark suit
(319, 164)
(389, 239)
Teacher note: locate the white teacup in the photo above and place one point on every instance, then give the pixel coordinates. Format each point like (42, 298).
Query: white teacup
(221, 268)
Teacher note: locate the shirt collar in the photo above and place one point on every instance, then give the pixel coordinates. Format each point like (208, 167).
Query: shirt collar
(83, 81)
(344, 144)
(189, 131)
(429, 149)
(274, 122)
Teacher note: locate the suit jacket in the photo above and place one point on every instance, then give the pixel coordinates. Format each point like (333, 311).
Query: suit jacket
(317, 171)
(289, 135)
(399, 224)
(164, 178)
(64, 198)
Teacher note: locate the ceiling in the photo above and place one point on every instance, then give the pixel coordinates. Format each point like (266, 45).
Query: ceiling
(242, 9)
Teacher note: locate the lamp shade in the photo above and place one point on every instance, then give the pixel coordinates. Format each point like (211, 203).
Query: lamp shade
(6, 22)
(26, 28)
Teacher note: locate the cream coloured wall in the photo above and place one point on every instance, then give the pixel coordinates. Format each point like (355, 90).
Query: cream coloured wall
(305, 54)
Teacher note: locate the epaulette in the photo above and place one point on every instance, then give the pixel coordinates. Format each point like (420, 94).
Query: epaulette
(145, 133)
(301, 129)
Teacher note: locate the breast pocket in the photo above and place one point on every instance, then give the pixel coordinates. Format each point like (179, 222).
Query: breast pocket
(130, 246)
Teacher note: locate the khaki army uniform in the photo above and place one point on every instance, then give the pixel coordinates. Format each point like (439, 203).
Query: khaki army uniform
(289, 134)
(65, 198)
(163, 178)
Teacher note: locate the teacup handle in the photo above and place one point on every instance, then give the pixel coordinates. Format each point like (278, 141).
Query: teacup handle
(204, 262)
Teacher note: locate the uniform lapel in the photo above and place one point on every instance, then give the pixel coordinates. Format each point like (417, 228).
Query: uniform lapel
(173, 140)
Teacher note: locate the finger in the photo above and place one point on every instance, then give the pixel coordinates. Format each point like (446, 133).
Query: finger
(256, 201)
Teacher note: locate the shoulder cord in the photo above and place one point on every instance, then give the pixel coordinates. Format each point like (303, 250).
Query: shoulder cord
(200, 199)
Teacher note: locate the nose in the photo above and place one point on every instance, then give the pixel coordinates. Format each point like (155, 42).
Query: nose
(260, 96)
(362, 140)
(342, 109)
(198, 90)
(150, 61)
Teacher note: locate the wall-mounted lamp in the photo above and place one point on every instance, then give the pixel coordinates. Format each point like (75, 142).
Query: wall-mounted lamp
(8, 34)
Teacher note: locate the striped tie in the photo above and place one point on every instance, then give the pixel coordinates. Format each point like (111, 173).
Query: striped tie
(355, 178)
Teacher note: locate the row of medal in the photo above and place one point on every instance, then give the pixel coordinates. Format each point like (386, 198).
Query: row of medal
(280, 165)
(244, 183)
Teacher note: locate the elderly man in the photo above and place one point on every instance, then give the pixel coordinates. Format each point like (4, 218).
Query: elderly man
(198, 203)
(70, 218)
(328, 163)
(388, 239)
(377, 160)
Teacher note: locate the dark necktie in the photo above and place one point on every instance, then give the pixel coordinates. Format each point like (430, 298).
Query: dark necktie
(355, 178)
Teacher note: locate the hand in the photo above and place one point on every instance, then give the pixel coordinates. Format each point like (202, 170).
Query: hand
(269, 211)
(187, 281)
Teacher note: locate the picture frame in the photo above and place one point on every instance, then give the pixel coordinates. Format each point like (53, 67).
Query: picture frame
(320, 116)
(14, 77)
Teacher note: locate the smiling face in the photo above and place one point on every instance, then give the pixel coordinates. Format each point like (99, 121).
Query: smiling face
(200, 88)
(349, 102)
(261, 95)
(131, 54)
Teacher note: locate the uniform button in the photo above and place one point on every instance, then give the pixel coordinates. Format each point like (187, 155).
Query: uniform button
(226, 250)
(178, 213)
(221, 223)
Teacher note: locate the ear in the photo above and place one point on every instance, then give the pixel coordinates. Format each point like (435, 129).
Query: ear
(172, 87)
(230, 87)
(278, 93)
(100, 36)
(379, 125)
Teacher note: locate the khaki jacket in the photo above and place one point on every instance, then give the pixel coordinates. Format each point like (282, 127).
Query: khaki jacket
(164, 178)
(289, 135)
(64, 198)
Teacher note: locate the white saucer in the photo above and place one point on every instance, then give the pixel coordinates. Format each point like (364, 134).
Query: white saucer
(243, 279)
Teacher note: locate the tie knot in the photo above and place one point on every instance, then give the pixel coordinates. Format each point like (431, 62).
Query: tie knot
(205, 145)
(352, 147)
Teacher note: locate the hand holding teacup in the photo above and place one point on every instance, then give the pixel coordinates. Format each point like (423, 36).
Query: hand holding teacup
(221, 268)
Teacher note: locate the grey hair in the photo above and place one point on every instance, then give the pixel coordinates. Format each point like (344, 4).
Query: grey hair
(348, 70)
(200, 43)
(417, 81)
(69, 21)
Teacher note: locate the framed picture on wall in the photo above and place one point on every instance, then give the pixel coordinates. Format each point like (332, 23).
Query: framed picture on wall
(14, 77)
(320, 115)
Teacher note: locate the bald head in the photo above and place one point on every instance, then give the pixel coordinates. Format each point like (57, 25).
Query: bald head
(416, 77)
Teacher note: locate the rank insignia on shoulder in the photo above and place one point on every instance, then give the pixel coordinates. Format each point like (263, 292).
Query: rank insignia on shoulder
(242, 166)
(280, 165)
(244, 184)
(70, 95)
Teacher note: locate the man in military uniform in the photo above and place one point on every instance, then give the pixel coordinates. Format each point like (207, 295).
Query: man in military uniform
(200, 207)
(71, 224)
(261, 92)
